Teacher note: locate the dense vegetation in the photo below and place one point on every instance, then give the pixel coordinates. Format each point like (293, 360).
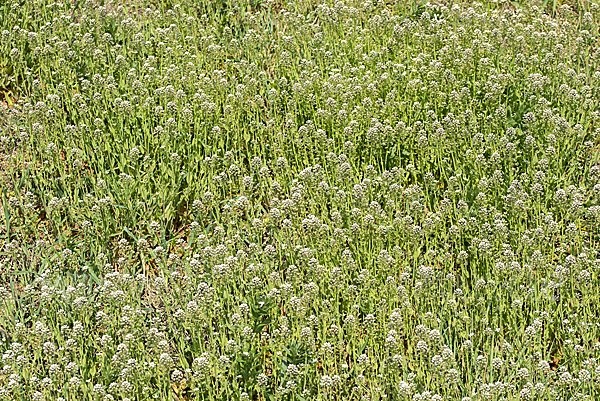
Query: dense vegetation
(234, 200)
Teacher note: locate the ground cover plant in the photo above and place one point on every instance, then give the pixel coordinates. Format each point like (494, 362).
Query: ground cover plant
(236, 200)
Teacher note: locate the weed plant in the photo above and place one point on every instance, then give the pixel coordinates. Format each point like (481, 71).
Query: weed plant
(234, 200)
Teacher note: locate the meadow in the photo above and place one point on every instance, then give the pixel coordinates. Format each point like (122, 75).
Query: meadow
(305, 201)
